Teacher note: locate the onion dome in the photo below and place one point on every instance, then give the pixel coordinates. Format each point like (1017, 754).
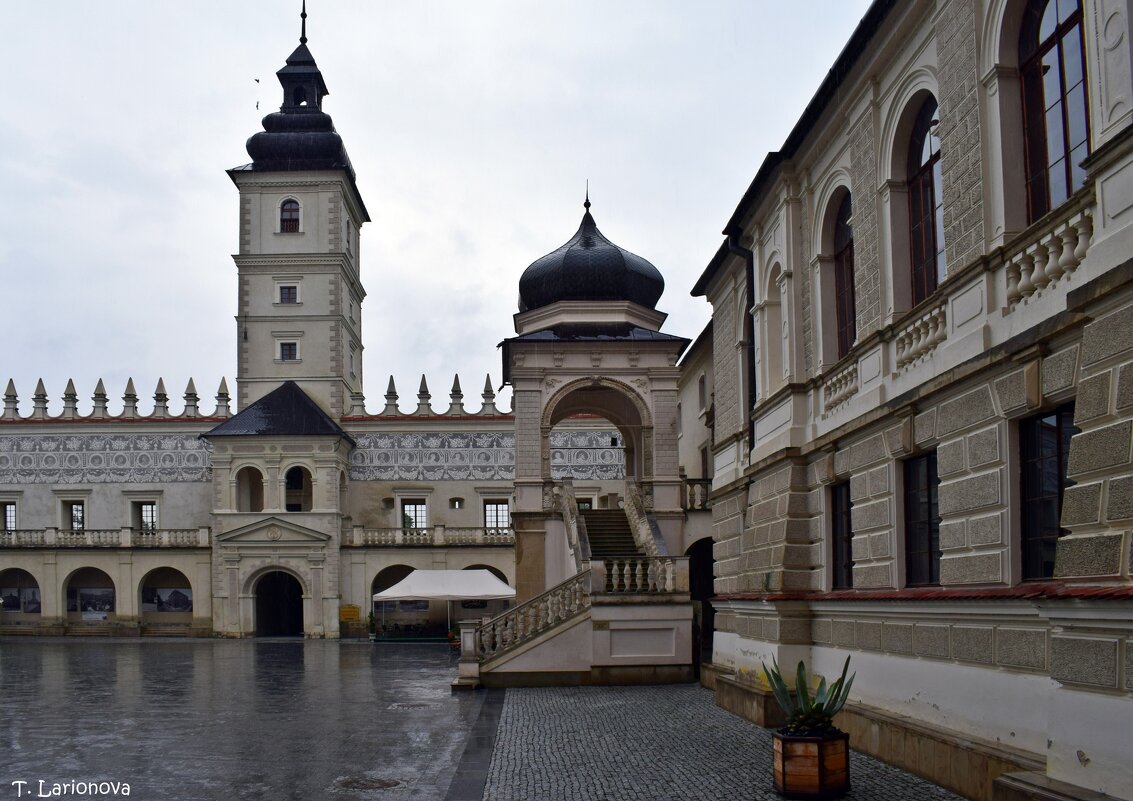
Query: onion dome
(589, 268)
(300, 136)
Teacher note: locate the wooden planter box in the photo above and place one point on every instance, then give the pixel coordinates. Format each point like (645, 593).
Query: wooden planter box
(812, 767)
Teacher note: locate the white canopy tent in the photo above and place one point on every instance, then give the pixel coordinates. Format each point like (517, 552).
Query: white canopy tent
(447, 585)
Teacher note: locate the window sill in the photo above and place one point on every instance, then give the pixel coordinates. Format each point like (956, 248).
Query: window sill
(277, 303)
(288, 361)
(290, 233)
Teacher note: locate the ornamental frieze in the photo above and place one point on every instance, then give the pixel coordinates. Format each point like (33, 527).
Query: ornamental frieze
(103, 459)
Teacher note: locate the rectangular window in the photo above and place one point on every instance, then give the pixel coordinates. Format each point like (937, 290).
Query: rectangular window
(289, 294)
(704, 463)
(414, 513)
(1044, 442)
(922, 522)
(145, 516)
(289, 351)
(496, 514)
(74, 515)
(842, 536)
(8, 513)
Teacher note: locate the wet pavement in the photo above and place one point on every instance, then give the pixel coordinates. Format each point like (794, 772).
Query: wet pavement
(190, 720)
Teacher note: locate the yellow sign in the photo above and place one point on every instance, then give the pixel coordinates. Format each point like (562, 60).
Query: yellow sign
(349, 614)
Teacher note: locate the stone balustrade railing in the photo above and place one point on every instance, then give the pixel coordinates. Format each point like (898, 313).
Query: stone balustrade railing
(106, 538)
(523, 623)
(637, 575)
(921, 335)
(1048, 258)
(839, 387)
(696, 492)
(648, 540)
(434, 536)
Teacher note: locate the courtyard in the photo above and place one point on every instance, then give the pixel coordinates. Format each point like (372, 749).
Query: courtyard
(197, 720)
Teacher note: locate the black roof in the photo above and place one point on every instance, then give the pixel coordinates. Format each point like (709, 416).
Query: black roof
(589, 267)
(600, 332)
(286, 411)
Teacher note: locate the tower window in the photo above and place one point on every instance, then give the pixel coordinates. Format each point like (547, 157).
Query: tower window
(289, 294)
(289, 217)
(289, 351)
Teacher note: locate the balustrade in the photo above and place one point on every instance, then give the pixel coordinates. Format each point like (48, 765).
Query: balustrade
(921, 336)
(428, 537)
(1048, 259)
(696, 493)
(106, 538)
(652, 574)
(526, 621)
(840, 387)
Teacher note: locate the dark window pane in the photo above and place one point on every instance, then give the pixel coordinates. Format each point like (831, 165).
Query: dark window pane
(1049, 21)
(1076, 122)
(1056, 177)
(1072, 57)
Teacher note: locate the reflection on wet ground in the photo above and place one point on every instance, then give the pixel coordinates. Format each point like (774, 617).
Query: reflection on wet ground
(233, 719)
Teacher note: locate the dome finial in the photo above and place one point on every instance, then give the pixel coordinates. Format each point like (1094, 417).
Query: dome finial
(585, 205)
(303, 16)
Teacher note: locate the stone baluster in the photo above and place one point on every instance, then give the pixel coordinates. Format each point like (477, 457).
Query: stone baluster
(1054, 270)
(1039, 275)
(1067, 263)
(637, 576)
(1013, 294)
(1085, 228)
(1026, 270)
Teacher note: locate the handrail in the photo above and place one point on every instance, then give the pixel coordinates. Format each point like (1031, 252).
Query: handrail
(645, 533)
(523, 623)
(567, 504)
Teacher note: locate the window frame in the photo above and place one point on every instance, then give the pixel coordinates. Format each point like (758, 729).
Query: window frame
(488, 517)
(1032, 53)
(285, 346)
(292, 223)
(417, 523)
(1033, 499)
(845, 300)
(923, 560)
(841, 537)
(924, 185)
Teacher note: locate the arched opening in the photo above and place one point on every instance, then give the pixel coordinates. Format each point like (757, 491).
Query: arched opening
(20, 601)
(165, 601)
(773, 345)
(701, 589)
(249, 490)
(613, 423)
(289, 217)
(297, 490)
(299, 96)
(279, 605)
(594, 453)
(90, 596)
(400, 619)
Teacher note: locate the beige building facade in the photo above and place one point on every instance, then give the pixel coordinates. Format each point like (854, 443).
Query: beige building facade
(922, 425)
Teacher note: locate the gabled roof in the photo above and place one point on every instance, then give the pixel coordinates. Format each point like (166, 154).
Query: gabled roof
(286, 411)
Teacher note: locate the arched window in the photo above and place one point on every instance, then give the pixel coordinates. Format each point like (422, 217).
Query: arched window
(289, 217)
(926, 204)
(845, 308)
(1056, 131)
(297, 486)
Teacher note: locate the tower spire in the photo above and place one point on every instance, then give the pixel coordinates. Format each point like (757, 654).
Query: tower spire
(585, 205)
(303, 32)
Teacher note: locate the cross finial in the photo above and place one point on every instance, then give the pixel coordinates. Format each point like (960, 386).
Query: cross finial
(303, 16)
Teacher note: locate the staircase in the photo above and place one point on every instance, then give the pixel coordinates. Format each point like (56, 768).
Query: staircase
(610, 535)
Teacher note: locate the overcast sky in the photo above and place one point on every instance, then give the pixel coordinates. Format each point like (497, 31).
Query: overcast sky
(473, 127)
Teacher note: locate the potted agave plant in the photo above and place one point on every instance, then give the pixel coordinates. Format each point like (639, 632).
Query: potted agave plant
(812, 757)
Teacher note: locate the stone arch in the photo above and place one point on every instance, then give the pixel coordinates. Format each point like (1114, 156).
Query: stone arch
(495, 571)
(279, 601)
(618, 403)
(165, 598)
(825, 207)
(298, 487)
(91, 595)
(21, 595)
(248, 489)
(248, 586)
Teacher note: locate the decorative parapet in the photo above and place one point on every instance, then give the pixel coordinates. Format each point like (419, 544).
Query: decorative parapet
(99, 410)
(435, 536)
(839, 387)
(424, 408)
(106, 538)
(696, 492)
(921, 336)
(649, 575)
(527, 621)
(1045, 260)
